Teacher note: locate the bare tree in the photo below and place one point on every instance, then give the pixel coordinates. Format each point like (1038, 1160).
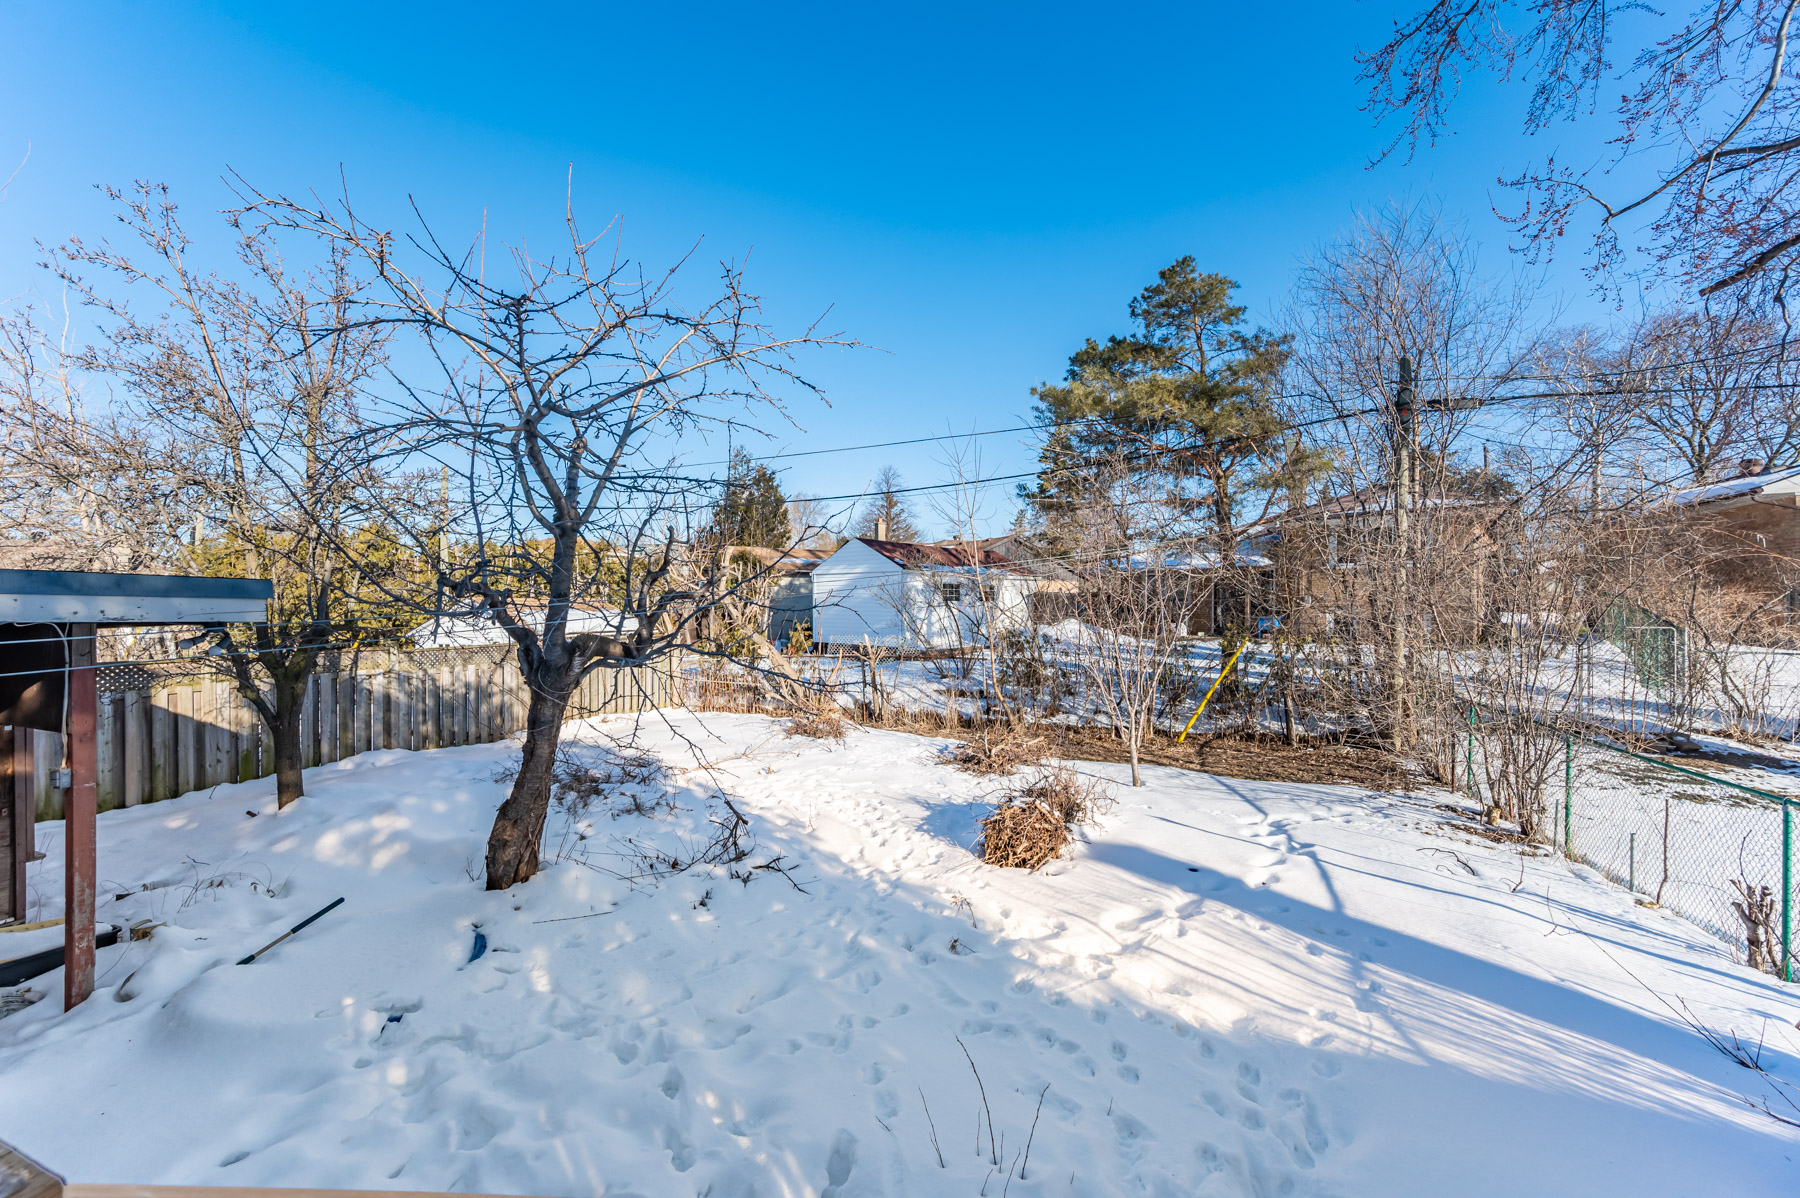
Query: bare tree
(887, 513)
(813, 522)
(1706, 389)
(1710, 99)
(229, 443)
(1403, 287)
(562, 380)
(1135, 593)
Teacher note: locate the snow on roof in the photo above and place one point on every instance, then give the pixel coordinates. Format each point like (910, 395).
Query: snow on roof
(1211, 559)
(1777, 482)
(483, 628)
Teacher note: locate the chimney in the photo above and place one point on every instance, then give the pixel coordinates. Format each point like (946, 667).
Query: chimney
(1751, 467)
(881, 528)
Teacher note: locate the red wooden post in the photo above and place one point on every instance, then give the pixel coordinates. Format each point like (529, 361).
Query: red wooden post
(78, 819)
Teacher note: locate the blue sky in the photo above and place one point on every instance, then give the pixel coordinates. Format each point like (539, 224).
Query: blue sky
(972, 190)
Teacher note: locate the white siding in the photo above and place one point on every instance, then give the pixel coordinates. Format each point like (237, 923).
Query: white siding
(854, 598)
(860, 595)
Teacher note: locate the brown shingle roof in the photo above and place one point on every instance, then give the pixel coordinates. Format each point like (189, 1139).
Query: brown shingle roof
(912, 554)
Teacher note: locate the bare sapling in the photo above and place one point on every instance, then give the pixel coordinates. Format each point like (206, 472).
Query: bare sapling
(232, 438)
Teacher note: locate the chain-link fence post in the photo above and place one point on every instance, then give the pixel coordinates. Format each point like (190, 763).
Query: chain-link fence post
(1787, 890)
(1569, 795)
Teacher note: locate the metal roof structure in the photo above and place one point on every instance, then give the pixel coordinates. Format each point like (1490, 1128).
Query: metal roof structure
(73, 596)
(48, 661)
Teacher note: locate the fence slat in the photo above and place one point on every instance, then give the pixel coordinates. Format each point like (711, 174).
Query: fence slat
(166, 741)
(131, 788)
(46, 757)
(327, 718)
(109, 752)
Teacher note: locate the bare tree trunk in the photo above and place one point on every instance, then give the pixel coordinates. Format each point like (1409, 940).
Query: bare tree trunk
(284, 733)
(512, 855)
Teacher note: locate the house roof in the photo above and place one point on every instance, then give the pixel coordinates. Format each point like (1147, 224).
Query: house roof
(1768, 482)
(784, 561)
(912, 555)
(1365, 501)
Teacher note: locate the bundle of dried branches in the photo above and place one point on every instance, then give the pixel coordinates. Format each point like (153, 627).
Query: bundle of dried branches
(819, 720)
(996, 750)
(1030, 825)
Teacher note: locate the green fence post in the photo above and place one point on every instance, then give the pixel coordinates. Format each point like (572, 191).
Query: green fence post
(1569, 795)
(1787, 890)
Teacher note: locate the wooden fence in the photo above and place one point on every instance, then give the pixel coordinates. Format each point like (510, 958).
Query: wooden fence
(199, 732)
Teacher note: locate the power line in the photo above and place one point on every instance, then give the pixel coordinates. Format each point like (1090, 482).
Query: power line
(992, 432)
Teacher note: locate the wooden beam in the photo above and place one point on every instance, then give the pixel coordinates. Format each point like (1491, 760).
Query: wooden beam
(78, 819)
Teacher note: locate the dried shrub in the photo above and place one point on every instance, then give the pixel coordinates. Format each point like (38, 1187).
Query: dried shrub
(823, 720)
(995, 751)
(1030, 825)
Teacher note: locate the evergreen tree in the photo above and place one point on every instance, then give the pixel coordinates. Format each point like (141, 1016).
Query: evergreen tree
(1188, 394)
(753, 511)
(888, 504)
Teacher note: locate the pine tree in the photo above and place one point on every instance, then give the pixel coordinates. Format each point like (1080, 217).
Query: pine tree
(1188, 394)
(888, 504)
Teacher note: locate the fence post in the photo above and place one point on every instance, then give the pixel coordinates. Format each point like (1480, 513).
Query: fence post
(1787, 890)
(1569, 795)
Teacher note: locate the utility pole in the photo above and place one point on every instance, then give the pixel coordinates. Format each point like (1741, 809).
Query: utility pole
(1404, 400)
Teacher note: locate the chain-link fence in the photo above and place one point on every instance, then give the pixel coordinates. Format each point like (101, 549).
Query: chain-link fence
(1720, 854)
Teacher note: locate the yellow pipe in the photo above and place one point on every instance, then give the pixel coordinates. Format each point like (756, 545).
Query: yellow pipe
(1209, 694)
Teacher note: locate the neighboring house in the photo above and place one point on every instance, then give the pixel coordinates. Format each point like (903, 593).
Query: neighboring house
(1308, 569)
(1054, 597)
(910, 596)
(482, 628)
(1750, 529)
(790, 595)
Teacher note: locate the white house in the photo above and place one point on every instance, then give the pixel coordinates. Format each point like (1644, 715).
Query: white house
(905, 595)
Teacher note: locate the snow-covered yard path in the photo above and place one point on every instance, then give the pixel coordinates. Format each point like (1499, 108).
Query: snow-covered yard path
(1234, 988)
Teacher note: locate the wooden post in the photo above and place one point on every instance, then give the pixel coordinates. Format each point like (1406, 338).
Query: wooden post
(78, 819)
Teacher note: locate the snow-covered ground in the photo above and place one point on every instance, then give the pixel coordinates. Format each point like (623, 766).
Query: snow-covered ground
(1231, 988)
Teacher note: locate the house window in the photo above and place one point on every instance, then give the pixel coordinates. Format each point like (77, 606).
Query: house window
(952, 592)
(988, 593)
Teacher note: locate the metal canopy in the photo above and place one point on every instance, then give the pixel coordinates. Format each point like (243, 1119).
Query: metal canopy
(50, 673)
(72, 596)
